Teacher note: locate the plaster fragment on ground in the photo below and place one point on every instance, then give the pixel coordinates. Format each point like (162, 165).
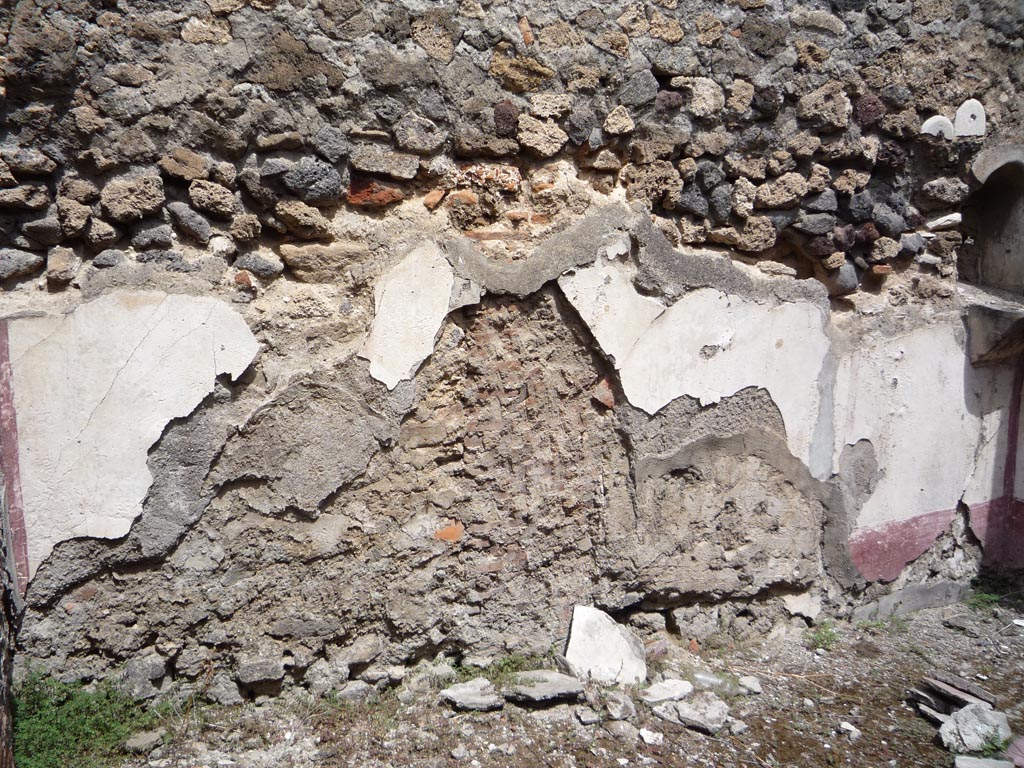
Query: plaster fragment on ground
(601, 649)
(411, 301)
(93, 391)
(708, 345)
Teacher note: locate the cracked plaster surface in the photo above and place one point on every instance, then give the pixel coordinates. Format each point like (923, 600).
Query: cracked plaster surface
(930, 417)
(94, 390)
(708, 345)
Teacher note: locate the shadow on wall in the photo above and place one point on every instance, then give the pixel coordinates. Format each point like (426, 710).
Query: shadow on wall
(993, 257)
(993, 220)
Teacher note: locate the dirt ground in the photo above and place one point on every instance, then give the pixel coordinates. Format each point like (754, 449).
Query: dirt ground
(862, 679)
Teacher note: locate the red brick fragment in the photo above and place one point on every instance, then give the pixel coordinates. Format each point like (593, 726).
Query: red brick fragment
(450, 533)
(603, 393)
(433, 198)
(373, 193)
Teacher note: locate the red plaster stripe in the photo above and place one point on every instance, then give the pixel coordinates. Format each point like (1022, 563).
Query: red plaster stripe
(880, 553)
(9, 460)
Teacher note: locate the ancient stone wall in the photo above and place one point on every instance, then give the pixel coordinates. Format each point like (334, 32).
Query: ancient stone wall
(338, 334)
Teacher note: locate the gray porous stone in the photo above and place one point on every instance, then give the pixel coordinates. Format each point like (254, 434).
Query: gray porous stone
(477, 695)
(159, 257)
(153, 236)
(843, 281)
(543, 687)
(18, 263)
(313, 181)
(973, 727)
(824, 202)
(190, 223)
(265, 264)
(108, 258)
(815, 223)
(331, 143)
(44, 231)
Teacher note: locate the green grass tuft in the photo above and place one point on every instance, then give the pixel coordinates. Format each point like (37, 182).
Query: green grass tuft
(824, 636)
(981, 601)
(60, 724)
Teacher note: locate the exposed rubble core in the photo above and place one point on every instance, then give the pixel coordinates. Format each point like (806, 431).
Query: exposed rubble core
(338, 335)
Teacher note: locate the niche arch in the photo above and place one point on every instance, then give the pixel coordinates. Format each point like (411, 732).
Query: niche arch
(993, 221)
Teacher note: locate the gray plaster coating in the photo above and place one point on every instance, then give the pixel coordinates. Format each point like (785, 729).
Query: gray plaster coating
(576, 245)
(670, 272)
(812, 518)
(281, 445)
(179, 462)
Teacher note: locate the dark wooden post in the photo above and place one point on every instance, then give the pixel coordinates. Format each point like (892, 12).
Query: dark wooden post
(10, 606)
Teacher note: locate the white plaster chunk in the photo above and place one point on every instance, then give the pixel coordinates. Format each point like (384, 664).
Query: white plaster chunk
(93, 391)
(910, 394)
(616, 314)
(411, 302)
(938, 125)
(708, 345)
(949, 221)
(602, 650)
(803, 604)
(970, 119)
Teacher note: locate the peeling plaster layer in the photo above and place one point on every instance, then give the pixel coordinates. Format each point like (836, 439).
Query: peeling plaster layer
(93, 391)
(939, 430)
(605, 298)
(918, 402)
(707, 345)
(411, 302)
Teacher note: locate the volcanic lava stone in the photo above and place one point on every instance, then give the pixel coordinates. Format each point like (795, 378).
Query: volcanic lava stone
(314, 181)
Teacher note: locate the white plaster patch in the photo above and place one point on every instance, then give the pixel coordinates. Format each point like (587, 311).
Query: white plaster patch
(605, 298)
(970, 119)
(708, 345)
(601, 649)
(928, 415)
(938, 125)
(411, 302)
(93, 391)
